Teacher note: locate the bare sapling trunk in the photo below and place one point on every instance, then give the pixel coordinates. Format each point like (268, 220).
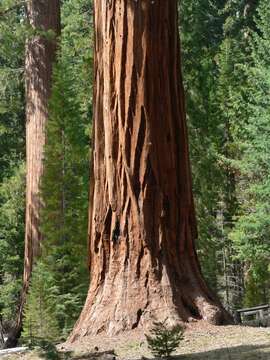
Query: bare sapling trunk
(44, 18)
(142, 228)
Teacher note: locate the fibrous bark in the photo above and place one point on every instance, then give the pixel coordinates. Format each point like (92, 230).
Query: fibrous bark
(143, 261)
(44, 16)
(44, 19)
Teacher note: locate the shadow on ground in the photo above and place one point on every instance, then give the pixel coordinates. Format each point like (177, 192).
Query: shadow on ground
(245, 352)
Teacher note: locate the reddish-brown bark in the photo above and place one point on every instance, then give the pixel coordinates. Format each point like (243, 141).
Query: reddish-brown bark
(143, 261)
(43, 16)
(40, 56)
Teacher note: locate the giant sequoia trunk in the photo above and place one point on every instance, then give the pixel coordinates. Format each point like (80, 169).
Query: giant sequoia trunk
(44, 18)
(40, 55)
(143, 261)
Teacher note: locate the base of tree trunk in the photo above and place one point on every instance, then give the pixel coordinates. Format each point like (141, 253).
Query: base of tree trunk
(121, 304)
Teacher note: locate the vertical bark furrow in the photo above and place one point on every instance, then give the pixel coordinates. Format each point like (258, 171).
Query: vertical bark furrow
(132, 98)
(127, 146)
(138, 153)
(122, 32)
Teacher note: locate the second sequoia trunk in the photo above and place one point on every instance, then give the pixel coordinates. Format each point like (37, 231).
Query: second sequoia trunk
(143, 261)
(44, 18)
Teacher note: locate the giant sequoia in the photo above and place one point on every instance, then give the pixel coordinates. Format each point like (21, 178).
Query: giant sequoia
(142, 222)
(44, 18)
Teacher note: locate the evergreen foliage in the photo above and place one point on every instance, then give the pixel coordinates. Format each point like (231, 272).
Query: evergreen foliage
(64, 216)
(12, 154)
(40, 313)
(251, 232)
(11, 242)
(12, 39)
(202, 32)
(163, 341)
(230, 108)
(77, 50)
(221, 62)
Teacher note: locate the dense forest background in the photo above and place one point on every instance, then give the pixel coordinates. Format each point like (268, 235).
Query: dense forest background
(225, 52)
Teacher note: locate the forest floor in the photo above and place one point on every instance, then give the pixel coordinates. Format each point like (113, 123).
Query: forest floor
(202, 342)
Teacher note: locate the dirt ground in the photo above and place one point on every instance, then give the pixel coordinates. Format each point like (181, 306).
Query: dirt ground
(202, 342)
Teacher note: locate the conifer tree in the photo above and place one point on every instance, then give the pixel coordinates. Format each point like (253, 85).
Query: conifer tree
(201, 35)
(164, 340)
(232, 113)
(12, 155)
(40, 320)
(252, 230)
(64, 191)
(12, 201)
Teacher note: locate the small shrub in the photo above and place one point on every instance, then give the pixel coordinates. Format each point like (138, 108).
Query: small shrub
(163, 340)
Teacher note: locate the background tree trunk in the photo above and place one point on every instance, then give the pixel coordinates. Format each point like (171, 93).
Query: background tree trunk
(143, 261)
(2, 340)
(40, 56)
(44, 19)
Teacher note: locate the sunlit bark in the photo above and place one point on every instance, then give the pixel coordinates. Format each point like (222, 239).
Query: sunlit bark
(143, 261)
